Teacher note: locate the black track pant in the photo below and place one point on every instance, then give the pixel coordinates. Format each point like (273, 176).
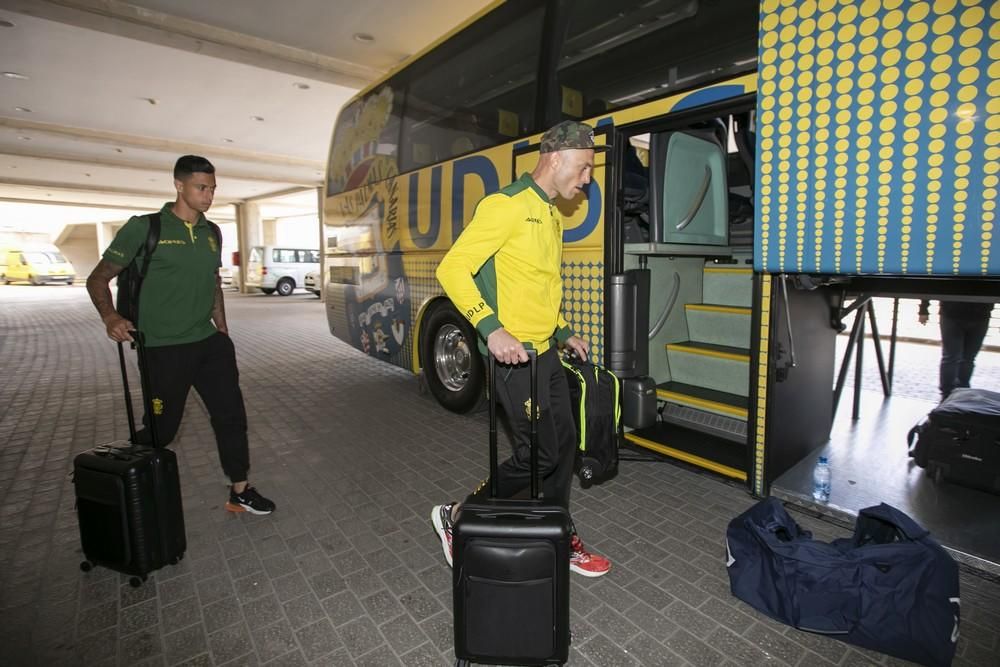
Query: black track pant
(556, 430)
(209, 366)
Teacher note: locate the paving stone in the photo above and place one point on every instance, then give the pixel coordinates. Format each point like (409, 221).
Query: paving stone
(424, 655)
(319, 639)
(230, 643)
(185, 644)
(692, 649)
(342, 608)
(303, 610)
(402, 634)
(176, 589)
(261, 612)
(221, 613)
(137, 617)
(602, 651)
(141, 645)
(380, 657)
(274, 641)
(420, 604)
(253, 586)
(360, 636)
(215, 588)
(327, 583)
(95, 619)
(289, 586)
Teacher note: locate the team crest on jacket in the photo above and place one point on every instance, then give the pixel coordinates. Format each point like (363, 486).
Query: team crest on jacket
(212, 243)
(157, 406)
(527, 409)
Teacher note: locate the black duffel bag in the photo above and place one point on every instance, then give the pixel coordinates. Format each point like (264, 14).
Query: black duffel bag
(889, 587)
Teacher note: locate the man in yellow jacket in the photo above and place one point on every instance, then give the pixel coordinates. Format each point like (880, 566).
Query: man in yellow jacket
(504, 273)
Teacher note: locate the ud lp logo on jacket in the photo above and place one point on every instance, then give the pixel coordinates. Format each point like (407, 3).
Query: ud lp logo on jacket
(157, 406)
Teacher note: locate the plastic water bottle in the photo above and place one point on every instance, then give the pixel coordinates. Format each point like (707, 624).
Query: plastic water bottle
(821, 480)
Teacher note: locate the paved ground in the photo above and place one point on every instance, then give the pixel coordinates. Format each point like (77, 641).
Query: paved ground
(347, 571)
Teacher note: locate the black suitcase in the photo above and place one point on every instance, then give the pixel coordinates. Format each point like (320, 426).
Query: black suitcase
(595, 393)
(128, 499)
(511, 570)
(960, 440)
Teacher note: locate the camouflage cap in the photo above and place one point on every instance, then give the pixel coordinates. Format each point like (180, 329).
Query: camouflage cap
(569, 134)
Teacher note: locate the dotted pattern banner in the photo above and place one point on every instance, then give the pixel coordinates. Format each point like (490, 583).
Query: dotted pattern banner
(878, 138)
(583, 303)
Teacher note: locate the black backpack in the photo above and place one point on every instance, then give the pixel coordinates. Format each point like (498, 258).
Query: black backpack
(595, 395)
(131, 277)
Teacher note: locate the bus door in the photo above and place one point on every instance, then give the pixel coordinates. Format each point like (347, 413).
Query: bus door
(684, 296)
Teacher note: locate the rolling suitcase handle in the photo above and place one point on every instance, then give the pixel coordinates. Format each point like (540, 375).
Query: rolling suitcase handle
(533, 413)
(140, 346)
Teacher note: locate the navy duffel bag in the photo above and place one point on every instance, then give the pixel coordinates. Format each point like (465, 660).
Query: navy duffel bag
(889, 587)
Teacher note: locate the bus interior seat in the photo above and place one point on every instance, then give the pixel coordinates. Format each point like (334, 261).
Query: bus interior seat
(695, 193)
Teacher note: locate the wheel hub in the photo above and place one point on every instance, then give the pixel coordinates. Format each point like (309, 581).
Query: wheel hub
(452, 358)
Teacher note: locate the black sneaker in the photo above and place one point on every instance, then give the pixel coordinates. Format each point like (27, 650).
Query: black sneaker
(249, 501)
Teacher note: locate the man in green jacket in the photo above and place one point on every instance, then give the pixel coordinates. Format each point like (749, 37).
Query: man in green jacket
(182, 318)
(504, 273)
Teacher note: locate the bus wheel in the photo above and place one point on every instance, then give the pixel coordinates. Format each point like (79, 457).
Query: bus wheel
(286, 286)
(453, 367)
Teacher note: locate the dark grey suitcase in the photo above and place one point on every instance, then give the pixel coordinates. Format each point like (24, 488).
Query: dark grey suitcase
(511, 570)
(960, 440)
(128, 500)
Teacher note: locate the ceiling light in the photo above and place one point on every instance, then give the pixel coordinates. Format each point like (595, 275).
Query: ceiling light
(6, 24)
(24, 138)
(259, 119)
(86, 174)
(119, 150)
(152, 101)
(14, 75)
(228, 141)
(363, 37)
(22, 109)
(301, 86)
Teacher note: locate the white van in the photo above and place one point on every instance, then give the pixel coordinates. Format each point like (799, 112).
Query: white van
(272, 269)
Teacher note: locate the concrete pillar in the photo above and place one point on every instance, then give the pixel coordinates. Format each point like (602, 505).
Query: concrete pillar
(320, 202)
(248, 234)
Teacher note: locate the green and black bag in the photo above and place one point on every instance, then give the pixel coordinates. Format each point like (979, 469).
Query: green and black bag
(595, 394)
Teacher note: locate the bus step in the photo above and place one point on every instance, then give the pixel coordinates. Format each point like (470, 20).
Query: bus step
(698, 449)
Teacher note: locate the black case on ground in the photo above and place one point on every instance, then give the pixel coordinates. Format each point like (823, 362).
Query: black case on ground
(128, 500)
(960, 440)
(511, 570)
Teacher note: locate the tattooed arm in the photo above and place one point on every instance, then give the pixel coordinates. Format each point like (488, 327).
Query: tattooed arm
(219, 307)
(97, 286)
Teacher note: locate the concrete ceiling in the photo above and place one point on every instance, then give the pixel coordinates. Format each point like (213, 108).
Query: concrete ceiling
(115, 91)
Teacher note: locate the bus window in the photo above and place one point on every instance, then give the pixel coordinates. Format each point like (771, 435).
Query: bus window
(616, 54)
(367, 129)
(466, 95)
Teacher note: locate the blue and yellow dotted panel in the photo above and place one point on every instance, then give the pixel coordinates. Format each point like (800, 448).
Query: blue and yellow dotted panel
(878, 137)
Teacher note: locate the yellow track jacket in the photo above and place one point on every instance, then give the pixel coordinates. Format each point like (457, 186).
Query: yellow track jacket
(505, 270)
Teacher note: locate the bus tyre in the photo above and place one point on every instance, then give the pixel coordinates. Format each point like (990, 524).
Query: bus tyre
(286, 286)
(453, 367)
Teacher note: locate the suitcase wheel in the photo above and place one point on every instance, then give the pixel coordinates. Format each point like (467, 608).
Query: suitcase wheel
(135, 582)
(86, 566)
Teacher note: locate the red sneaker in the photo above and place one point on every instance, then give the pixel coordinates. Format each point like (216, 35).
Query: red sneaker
(441, 518)
(583, 562)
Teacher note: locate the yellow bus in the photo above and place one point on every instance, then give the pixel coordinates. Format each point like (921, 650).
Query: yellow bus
(771, 161)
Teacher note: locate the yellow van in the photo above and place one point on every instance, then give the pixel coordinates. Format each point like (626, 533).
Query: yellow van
(37, 267)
